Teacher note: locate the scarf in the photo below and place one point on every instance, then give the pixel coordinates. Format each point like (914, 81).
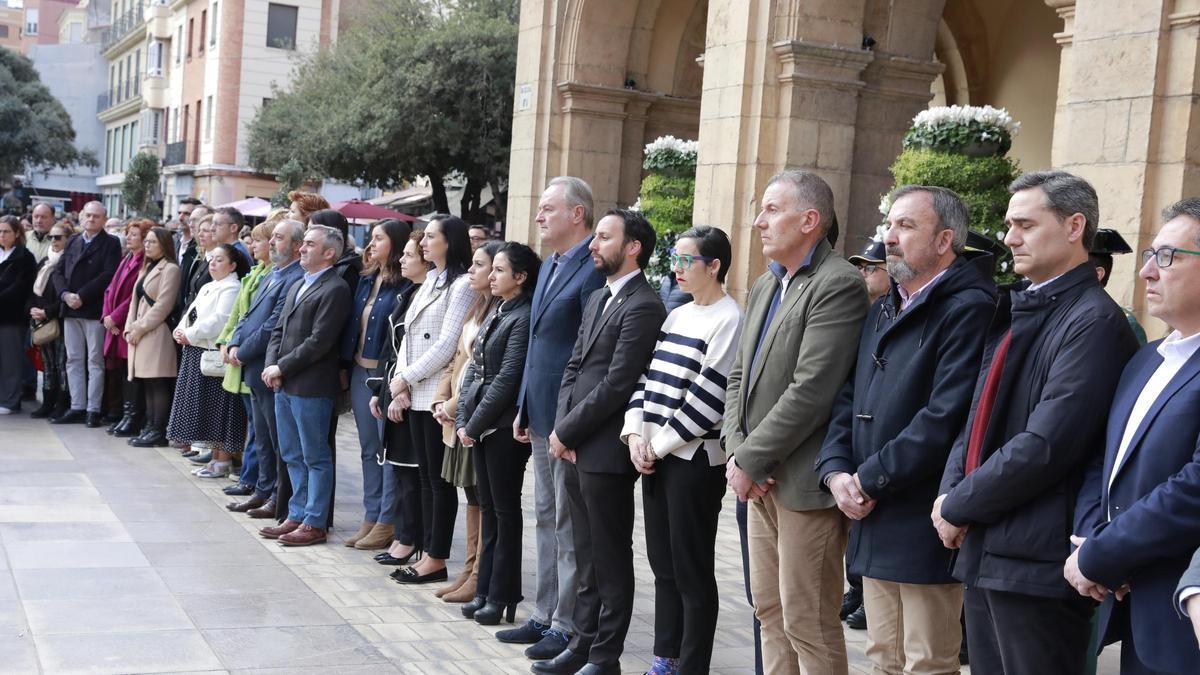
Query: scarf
(43, 275)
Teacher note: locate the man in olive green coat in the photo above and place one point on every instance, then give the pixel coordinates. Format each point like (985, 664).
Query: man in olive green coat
(799, 342)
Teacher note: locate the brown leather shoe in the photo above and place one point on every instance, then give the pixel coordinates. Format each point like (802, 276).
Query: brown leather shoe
(305, 535)
(265, 511)
(281, 529)
(363, 530)
(241, 507)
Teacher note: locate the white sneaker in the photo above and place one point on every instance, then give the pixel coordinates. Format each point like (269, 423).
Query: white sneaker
(6, 411)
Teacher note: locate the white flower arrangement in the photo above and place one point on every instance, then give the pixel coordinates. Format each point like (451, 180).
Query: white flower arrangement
(670, 143)
(974, 130)
(667, 154)
(965, 114)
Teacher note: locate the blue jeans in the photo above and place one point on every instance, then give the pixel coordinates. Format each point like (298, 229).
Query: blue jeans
(303, 427)
(250, 455)
(379, 484)
(263, 402)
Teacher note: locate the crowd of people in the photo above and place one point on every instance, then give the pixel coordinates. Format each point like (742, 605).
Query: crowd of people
(999, 458)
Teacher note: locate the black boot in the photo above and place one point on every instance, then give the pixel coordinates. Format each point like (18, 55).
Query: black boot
(123, 423)
(135, 409)
(49, 399)
(152, 437)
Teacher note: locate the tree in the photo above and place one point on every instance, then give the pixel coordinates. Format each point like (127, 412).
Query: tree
(413, 88)
(140, 185)
(35, 129)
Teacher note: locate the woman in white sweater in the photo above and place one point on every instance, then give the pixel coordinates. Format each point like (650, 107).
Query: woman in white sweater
(673, 429)
(202, 409)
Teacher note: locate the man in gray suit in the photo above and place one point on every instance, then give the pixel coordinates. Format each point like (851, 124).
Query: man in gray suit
(803, 321)
(302, 368)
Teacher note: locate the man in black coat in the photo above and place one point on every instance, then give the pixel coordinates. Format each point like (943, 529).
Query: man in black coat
(894, 424)
(87, 266)
(1037, 419)
(620, 329)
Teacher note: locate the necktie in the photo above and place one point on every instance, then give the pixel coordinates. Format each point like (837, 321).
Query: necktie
(987, 401)
(604, 298)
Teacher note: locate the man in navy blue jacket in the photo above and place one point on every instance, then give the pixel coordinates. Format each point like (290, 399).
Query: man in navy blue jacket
(566, 280)
(1139, 512)
(894, 424)
(248, 348)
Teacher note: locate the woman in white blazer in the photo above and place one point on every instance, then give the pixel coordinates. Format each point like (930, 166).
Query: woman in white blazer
(433, 325)
(202, 409)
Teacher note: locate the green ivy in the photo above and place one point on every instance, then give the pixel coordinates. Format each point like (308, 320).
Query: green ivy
(666, 201)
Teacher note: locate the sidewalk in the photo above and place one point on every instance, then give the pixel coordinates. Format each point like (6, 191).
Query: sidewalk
(115, 560)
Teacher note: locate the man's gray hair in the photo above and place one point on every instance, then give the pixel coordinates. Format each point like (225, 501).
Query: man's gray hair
(45, 204)
(1189, 207)
(296, 227)
(577, 192)
(952, 213)
(811, 191)
(95, 203)
(333, 238)
(1066, 195)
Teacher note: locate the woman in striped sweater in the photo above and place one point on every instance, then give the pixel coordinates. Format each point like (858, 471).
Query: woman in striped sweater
(673, 427)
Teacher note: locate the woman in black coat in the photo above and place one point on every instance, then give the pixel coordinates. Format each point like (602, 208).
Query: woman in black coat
(396, 453)
(486, 409)
(17, 270)
(44, 307)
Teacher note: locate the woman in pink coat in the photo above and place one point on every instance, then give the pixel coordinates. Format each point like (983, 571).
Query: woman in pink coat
(126, 421)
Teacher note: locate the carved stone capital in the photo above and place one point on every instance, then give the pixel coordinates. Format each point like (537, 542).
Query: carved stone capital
(821, 65)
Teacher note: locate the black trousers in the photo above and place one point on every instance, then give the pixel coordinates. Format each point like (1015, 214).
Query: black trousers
(158, 392)
(410, 530)
(681, 501)
(741, 514)
(499, 472)
(1018, 634)
(602, 524)
(439, 499)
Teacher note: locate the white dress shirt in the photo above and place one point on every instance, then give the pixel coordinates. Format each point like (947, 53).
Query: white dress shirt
(616, 286)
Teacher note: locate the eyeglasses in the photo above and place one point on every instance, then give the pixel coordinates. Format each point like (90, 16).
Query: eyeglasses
(868, 270)
(684, 261)
(1163, 257)
(57, 237)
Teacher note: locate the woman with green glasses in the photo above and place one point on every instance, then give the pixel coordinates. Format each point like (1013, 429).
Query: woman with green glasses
(673, 429)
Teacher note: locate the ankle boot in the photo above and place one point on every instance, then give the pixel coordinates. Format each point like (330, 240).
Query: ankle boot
(152, 437)
(121, 428)
(380, 537)
(363, 530)
(62, 405)
(49, 398)
(463, 588)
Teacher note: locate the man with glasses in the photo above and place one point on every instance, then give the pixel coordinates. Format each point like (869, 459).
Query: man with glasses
(871, 263)
(479, 235)
(1008, 493)
(87, 265)
(1139, 514)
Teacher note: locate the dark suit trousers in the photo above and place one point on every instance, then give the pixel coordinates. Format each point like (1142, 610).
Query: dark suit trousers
(262, 409)
(499, 472)
(602, 523)
(682, 502)
(1018, 634)
(439, 499)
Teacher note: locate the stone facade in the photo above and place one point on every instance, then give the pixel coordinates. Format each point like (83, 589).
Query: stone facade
(831, 86)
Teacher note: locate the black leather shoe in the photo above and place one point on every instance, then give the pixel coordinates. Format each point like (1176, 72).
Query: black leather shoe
(386, 558)
(594, 669)
(94, 420)
(552, 644)
(131, 430)
(238, 490)
(150, 438)
(851, 600)
(242, 507)
(70, 417)
(408, 575)
(491, 613)
(566, 663)
(529, 633)
(474, 605)
(857, 619)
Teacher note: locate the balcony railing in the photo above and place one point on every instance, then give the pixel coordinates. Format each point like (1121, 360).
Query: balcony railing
(175, 154)
(121, 26)
(102, 102)
(122, 91)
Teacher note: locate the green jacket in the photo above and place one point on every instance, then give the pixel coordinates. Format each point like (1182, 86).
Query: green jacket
(777, 411)
(233, 374)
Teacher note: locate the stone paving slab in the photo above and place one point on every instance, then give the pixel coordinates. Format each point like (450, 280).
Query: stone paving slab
(117, 560)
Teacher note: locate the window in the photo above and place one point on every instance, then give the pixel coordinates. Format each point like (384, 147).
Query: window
(75, 35)
(175, 124)
(179, 43)
(208, 112)
(137, 72)
(120, 81)
(281, 26)
(203, 28)
(122, 149)
(191, 28)
(212, 33)
(134, 139)
(154, 59)
(31, 22)
(3, 32)
(108, 151)
(183, 128)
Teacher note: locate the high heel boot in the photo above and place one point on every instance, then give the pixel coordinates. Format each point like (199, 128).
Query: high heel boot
(463, 588)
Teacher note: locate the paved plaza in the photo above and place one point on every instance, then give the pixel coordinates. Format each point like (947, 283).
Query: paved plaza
(115, 560)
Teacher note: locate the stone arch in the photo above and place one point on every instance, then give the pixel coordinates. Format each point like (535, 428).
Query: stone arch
(952, 86)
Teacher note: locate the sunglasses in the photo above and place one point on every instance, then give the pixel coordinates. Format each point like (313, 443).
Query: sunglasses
(684, 260)
(57, 237)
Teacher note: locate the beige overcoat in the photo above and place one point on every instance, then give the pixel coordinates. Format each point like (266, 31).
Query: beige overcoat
(154, 353)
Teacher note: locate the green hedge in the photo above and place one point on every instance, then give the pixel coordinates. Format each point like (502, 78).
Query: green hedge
(667, 203)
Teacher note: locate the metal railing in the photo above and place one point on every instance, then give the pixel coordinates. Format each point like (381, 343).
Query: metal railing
(122, 26)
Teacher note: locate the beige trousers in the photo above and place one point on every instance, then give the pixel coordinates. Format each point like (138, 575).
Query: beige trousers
(913, 629)
(796, 577)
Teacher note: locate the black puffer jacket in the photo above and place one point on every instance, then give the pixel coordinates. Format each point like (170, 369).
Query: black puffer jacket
(896, 420)
(493, 375)
(1070, 342)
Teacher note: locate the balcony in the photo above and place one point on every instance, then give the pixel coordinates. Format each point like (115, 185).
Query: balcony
(121, 27)
(176, 154)
(125, 90)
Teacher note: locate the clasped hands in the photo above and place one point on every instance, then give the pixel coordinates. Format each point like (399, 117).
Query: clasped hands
(641, 454)
(951, 535)
(743, 485)
(560, 451)
(847, 491)
(1084, 586)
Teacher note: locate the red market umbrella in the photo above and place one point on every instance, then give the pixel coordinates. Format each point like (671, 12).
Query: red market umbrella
(357, 209)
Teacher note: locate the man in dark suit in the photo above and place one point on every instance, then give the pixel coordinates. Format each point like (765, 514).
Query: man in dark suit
(565, 283)
(87, 266)
(1139, 512)
(302, 367)
(1008, 493)
(248, 348)
(620, 328)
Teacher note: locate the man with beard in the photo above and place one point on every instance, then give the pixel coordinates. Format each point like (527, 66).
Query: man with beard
(620, 329)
